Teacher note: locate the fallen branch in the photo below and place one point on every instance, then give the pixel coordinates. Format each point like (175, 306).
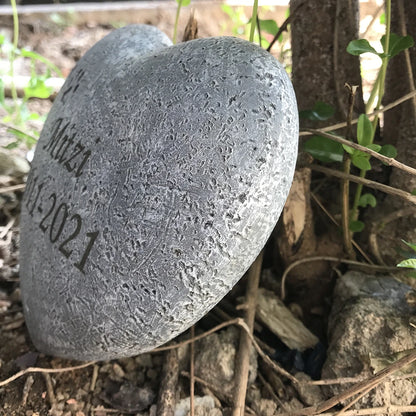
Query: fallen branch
(366, 182)
(167, 391)
(328, 258)
(243, 357)
(387, 160)
(44, 370)
(395, 103)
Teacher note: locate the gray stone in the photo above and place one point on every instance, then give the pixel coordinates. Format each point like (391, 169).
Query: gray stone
(159, 175)
(369, 328)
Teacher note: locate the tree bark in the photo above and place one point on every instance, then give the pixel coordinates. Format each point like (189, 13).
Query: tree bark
(400, 130)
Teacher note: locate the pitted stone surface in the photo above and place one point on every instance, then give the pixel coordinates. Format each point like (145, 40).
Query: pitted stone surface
(158, 178)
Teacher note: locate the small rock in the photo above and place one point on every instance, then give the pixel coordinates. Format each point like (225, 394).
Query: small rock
(144, 360)
(215, 359)
(118, 371)
(183, 406)
(13, 165)
(265, 407)
(369, 319)
(309, 394)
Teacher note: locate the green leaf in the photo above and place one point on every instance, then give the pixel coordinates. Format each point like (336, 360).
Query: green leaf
(413, 192)
(383, 19)
(21, 135)
(367, 199)
(356, 226)
(360, 160)
(47, 62)
(323, 149)
(348, 149)
(320, 111)
(268, 26)
(408, 263)
(364, 130)
(2, 38)
(411, 245)
(37, 88)
(11, 145)
(373, 146)
(359, 46)
(388, 150)
(397, 44)
(184, 3)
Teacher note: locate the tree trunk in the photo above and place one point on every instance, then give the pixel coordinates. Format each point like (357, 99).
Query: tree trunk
(400, 130)
(321, 31)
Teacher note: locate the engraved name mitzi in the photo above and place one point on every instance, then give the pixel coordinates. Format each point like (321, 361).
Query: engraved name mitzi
(158, 177)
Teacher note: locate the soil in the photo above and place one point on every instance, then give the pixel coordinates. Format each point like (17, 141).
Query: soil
(131, 385)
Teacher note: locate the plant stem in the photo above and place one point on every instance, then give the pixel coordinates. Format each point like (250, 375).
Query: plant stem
(13, 52)
(175, 29)
(378, 90)
(253, 20)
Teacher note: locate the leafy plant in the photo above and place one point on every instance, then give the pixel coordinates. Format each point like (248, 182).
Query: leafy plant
(18, 116)
(390, 45)
(410, 262)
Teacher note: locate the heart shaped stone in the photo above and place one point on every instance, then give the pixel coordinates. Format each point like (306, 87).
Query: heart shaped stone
(158, 177)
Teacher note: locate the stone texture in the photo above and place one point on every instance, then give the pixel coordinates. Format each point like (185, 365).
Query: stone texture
(215, 360)
(370, 324)
(159, 175)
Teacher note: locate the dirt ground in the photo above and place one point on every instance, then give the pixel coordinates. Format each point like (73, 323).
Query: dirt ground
(120, 387)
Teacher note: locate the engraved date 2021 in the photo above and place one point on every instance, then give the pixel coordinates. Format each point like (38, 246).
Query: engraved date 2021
(57, 222)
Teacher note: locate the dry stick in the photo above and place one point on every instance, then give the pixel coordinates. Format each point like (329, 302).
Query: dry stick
(407, 55)
(240, 322)
(170, 373)
(192, 371)
(43, 370)
(366, 182)
(331, 217)
(12, 188)
(49, 388)
(359, 387)
(285, 24)
(372, 239)
(26, 389)
(328, 258)
(393, 409)
(387, 160)
(395, 103)
(353, 401)
(345, 183)
(216, 389)
(243, 357)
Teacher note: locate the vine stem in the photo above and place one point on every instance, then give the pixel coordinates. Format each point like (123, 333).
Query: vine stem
(253, 20)
(175, 28)
(13, 51)
(379, 87)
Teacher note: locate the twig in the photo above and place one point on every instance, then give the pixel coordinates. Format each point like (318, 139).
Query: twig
(393, 409)
(216, 389)
(170, 373)
(258, 29)
(192, 372)
(243, 357)
(94, 378)
(366, 182)
(409, 70)
(328, 258)
(338, 126)
(26, 389)
(345, 183)
(387, 160)
(285, 24)
(240, 322)
(12, 188)
(43, 370)
(331, 217)
(49, 388)
(393, 216)
(358, 388)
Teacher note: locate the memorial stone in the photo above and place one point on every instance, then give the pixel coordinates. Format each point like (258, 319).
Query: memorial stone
(158, 177)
